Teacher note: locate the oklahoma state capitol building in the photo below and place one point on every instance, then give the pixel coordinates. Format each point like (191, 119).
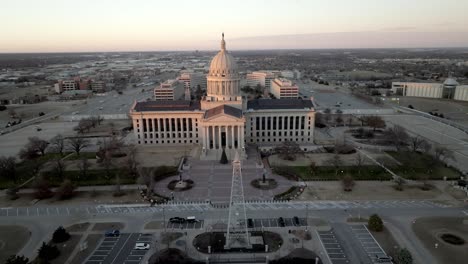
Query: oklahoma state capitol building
(223, 118)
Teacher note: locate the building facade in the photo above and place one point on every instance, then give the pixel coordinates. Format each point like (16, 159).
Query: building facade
(283, 88)
(169, 90)
(262, 78)
(223, 120)
(450, 89)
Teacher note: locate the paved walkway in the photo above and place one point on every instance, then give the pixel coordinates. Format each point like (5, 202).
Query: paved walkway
(82, 210)
(213, 182)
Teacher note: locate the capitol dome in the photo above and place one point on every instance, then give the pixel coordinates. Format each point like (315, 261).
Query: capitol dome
(450, 82)
(223, 64)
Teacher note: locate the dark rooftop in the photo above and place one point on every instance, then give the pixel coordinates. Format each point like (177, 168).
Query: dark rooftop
(287, 103)
(226, 109)
(178, 105)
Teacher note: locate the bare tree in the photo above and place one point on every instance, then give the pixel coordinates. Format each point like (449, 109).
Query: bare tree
(59, 167)
(335, 161)
(8, 169)
(83, 126)
(131, 161)
(348, 183)
(66, 190)
(58, 144)
(359, 162)
(83, 166)
(107, 163)
(146, 177)
(443, 154)
(398, 136)
(38, 144)
(42, 188)
(288, 150)
(318, 118)
(417, 143)
(77, 144)
(312, 167)
(339, 120)
(374, 122)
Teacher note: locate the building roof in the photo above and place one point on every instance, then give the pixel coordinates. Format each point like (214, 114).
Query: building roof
(223, 64)
(223, 109)
(286, 103)
(177, 105)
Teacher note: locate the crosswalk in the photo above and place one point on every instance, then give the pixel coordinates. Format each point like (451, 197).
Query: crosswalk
(202, 207)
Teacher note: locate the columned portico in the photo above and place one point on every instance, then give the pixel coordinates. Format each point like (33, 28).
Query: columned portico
(218, 136)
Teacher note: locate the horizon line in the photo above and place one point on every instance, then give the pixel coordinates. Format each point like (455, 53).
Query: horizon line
(235, 50)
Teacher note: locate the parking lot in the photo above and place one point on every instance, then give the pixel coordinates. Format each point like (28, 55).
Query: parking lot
(367, 241)
(333, 247)
(274, 222)
(186, 225)
(120, 249)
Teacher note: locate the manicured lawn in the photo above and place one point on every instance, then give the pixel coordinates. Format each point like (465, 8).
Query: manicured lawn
(329, 173)
(93, 177)
(87, 155)
(417, 165)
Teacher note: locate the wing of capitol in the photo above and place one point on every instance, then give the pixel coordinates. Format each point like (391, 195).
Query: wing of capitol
(223, 119)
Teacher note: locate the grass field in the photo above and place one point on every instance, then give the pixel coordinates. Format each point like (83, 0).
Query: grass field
(414, 166)
(331, 173)
(417, 166)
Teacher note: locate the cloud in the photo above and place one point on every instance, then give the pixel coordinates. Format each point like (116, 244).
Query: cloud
(371, 39)
(397, 29)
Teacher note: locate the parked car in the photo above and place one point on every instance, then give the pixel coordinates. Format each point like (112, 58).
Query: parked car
(112, 233)
(382, 258)
(296, 221)
(281, 222)
(177, 220)
(142, 246)
(250, 223)
(192, 219)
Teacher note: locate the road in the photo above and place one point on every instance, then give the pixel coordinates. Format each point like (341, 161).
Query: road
(398, 214)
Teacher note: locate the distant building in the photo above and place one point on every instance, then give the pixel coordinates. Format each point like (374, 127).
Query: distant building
(192, 79)
(450, 89)
(263, 78)
(295, 74)
(98, 86)
(169, 90)
(283, 88)
(77, 83)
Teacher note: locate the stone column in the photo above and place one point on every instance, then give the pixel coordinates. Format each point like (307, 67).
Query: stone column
(238, 138)
(202, 132)
(208, 137)
(176, 128)
(242, 137)
(165, 129)
(232, 137)
(155, 128)
(213, 136)
(219, 139)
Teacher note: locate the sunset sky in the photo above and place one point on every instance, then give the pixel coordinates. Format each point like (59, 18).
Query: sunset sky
(139, 25)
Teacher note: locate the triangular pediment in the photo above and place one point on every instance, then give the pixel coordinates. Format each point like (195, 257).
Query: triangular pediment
(222, 118)
(223, 113)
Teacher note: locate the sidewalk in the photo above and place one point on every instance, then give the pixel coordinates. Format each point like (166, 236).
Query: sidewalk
(85, 188)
